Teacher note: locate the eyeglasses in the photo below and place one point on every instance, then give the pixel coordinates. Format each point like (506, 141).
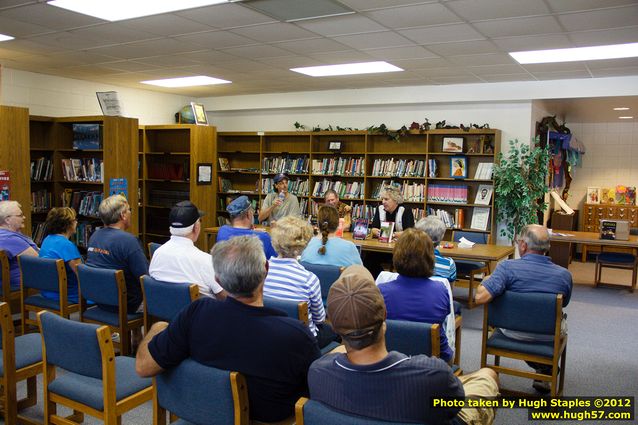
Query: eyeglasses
(17, 215)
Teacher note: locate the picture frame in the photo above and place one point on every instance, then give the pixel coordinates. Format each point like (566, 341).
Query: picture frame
(453, 144)
(199, 113)
(594, 195)
(205, 173)
(458, 167)
(335, 146)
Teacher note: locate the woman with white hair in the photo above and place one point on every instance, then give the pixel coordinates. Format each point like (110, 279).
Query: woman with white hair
(12, 241)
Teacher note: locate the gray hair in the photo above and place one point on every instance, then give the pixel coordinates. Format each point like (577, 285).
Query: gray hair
(182, 231)
(240, 265)
(536, 237)
(112, 208)
(290, 236)
(244, 214)
(5, 209)
(433, 226)
(393, 193)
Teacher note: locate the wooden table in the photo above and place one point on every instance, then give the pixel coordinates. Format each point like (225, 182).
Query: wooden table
(478, 252)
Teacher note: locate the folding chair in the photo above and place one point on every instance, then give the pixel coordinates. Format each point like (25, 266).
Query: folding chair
(467, 270)
(163, 300)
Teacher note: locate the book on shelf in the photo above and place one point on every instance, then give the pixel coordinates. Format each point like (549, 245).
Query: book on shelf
(224, 165)
(87, 136)
(41, 169)
(445, 216)
(453, 194)
(480, 218)
(386, 231)
(484, 171)
(433, 168)
(459, 218)
(360, 229)
(484, 194)
(225, 185)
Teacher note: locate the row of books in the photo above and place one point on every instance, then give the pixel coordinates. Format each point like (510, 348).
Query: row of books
(82, 169)
(224, 185)
(363, 211)
(484, 171)
(345, 190)
(398, 168)
(339, 166)
(285, 165)
(84, 202)
(447, 193)
(41, 169)
(167, 198)
(297, 187)
(41, 200)
(83, 233)
(376, 192)
(448, 218)
(413, 192)
(168, 170)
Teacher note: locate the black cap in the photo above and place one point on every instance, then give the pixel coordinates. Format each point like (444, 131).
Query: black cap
(279, 177)
(184, 214)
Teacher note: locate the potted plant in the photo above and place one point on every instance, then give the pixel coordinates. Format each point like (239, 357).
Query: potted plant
(519, 184)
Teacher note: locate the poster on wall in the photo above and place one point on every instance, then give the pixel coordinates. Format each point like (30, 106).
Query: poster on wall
(5, 185)
(118, 187)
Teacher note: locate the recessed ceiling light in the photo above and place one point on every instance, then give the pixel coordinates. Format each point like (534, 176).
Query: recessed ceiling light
(625, 118)
(5, 37)
(613, 51)
(621, 109)
(200, 80)
(117, 10)
(347, 69)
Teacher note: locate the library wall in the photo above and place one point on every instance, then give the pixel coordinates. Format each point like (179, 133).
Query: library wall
(57, 97)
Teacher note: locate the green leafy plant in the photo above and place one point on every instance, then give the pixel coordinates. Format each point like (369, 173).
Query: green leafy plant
(519, 184)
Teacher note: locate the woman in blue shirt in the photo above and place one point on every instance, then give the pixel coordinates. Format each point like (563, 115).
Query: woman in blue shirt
(327, 248)
(60, 225)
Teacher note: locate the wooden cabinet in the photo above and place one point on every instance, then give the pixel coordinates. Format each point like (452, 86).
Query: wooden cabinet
(593, 213)
(365, 162)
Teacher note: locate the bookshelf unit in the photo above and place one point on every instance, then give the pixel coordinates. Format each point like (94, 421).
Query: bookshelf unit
(171, 156)
(247, 160)
(83, 189)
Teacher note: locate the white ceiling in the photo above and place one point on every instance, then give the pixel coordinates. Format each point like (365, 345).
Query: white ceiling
(436, 42)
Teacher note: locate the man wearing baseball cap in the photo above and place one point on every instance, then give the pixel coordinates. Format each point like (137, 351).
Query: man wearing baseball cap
(241, 224)
(279, 203)
(368, 381)
(179, 260)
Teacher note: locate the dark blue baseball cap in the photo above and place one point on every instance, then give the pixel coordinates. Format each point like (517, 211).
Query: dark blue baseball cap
(239, 205)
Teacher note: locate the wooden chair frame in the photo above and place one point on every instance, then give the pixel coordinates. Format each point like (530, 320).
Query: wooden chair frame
(458, 324)
(559, 354)
(471, 282)
(126, 326)
(8, 296)
(624, 266)
(150, 250)
(113, 409)
(149, 318)
(65, 309)
(10, 403)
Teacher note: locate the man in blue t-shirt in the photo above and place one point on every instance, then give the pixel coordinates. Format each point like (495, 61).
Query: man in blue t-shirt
(533, 272)
(369, 381)
(242, 218)
(271, 350)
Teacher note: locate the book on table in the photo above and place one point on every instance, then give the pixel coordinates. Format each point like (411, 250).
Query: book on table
(360, 231)
(386, 231)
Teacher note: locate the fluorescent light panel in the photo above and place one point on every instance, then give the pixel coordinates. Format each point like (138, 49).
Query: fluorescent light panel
(118, 10)
(613, 51)
(347, 69)
(621, 109)
(5, 37)
(625, 118)
(200, 80)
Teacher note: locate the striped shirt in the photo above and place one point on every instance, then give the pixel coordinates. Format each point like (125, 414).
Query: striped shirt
(288, 280)
(444, 267)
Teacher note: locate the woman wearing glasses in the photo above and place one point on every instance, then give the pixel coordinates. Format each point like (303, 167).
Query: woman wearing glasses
(12, 241)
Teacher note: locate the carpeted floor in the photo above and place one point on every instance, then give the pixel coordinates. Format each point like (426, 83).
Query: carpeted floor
(602, 357)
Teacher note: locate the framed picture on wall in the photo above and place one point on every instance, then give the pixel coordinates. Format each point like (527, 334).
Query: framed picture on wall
(199, 113)
(452, 144)
(593, 195)
(458, 167)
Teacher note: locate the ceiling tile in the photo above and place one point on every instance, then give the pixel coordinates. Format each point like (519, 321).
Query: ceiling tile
(463, 48)
(166, 25)
(612, 63)
(209, 56)
(315, 45)
(561, 75)
(455, 71)
(113, 32)
(67, 40)
(334, 58)
(600, 19)
(603, 37)
(456, 80)
(167, 61)
(394, 53)
(580, 5)
(410, 64)
(473, 10)
(442, 34)
(16, 28)
(503, 78)
(414, 16)
(519, 26)
(380, 4)
(259, 51)
(615, 72)
(227, 15)
(5, 4)
(340, 25)
(128, 66)
(269, 33)
(216, 39)
(536, 42)
(555, 67)
(290, 62)
(374, 40)
(29, 47)
(143, 49)
(49, 16)
(496, 69)
(486, 59)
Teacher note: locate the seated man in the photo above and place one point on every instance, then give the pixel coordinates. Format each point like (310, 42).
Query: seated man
(271, 350)
(369, 381)
(533, 272)
(332, 198)
(241, 223)
(179, 260)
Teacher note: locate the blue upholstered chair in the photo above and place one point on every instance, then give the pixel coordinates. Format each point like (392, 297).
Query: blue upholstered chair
(94, 382)
(327, 275)
(43, 274)
(617, 260)
(526, 312)
(200, 395)
(21, 359)
(107, 287)
(8, 296)
(466, 270)
(311, 412)
(295, 309)
(163, 300)
(152, 246)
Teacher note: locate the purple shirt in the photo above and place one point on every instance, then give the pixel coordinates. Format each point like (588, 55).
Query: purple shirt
(13, 243)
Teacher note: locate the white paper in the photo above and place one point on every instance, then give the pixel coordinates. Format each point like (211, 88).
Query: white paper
(110, 103)
(464, 243)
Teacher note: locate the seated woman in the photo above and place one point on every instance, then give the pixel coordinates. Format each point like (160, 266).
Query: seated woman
(60, 225)
(413, 296)
(288, 280)
(12, 241)
(326, 248)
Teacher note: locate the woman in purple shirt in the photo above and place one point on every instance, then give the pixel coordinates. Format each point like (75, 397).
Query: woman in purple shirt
(12, 241)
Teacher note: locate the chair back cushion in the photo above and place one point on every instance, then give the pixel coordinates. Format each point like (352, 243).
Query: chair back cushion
(317, 413)
(98, 285)
(40, 273)
(327, 275)
(71, 345)
(152, 246)
(475, 237)
(524, 312)
(290, 307)
(163, 299)
(196, 393)
(409, 338)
